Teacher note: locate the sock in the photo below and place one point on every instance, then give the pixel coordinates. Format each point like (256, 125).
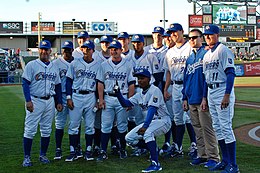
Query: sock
(27, 146)
(104, 140)
(167, 137)
(152, 147)
(114, 136)
(44, 145)
(231, 149)
(122, 140)
(131, 125)
(141, 144)
(173, 128)
(89, 139)
(191, 132)
(73, 142)
(224, 151)
(58, 137)
(97, 137)
(180, 130)
(78, 138)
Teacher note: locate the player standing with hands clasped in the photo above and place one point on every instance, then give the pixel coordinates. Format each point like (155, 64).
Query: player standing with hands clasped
(157, 120)
(81, 99)
(219, 71)
(41, 82)
(195, 99)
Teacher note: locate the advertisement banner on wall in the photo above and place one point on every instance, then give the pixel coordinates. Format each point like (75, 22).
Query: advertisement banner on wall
(46, 27)
(78, 26)
(239, 69)
(257, 21)
(252, 69)
(103, 27)
(258, 34)
(195, 21)
(207, 19)
(11, 27)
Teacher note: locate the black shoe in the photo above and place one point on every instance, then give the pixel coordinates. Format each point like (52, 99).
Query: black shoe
(58, 154)
(88, 156)
(123, 154)
(102, 156)
(71, 157)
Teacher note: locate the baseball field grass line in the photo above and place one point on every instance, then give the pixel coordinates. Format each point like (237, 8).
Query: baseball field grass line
(11, 125)
(254, 80)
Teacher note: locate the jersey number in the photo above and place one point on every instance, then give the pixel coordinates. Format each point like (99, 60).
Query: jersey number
(215, 76)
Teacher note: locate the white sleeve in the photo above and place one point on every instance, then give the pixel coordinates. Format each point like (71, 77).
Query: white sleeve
(70, 71)
(28, 71)
(227, 58)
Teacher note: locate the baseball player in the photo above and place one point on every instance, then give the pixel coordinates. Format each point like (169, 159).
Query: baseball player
(219, 71)
(81, 38)
(41, 82)
(157, 120)
(62, 64)
(116, 69)
(105, 41)
(195, 99)
(81, 99)
(123, 38)
(127, 53)
(174, 65)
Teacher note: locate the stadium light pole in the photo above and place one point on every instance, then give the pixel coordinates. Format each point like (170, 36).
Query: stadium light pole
(105, 29)
(73, 35)
(39, 28)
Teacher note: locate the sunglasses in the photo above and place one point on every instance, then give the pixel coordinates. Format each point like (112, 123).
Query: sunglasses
(193, 37)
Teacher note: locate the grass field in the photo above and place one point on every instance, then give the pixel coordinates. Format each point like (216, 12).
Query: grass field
(247, 80)
(11, 154)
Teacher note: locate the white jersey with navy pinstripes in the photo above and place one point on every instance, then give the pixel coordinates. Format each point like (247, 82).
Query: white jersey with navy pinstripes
(43, 78)
(175, 60)
(63, 67)
(83, 74)
(110, 73)
(153, 97)
(215, 63)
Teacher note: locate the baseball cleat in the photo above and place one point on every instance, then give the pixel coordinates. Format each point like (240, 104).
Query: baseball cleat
(96, 151)
(193, 151)
(88, 156)
(102, 156)
(231, 169)
(71, 157)
(210, 164)
(198, 161)
(43, 159)
(220, 166)
(79, 152)
(165, 148)
(153, 167)
(27, 161)
(114, 150)
(58, 154)
(123, 154)
(139, 151)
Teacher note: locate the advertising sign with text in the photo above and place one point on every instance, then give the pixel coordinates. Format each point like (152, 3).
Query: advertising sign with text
(11, 27)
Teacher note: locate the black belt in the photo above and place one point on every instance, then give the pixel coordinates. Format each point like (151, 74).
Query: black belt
(177, 82)
(44, 98)
(213, 86)
(113, 94)
(82, 91)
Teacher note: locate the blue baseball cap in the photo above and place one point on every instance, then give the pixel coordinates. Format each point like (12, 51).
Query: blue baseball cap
(137, 38)
(89, 44)
(174, 27)
(106, 38)
(67, 45)
(211, 29)
(158, 29)
(45, 44)
(166, 34)
(122, 35)
(115, 44)
(143, 72)
(83, 34)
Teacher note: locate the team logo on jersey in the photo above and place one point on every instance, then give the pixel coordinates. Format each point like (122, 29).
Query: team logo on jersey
(155, 99)
(63, 73)
(192, 67)
(120, 76)
(179, 60)
(45, 76)
(230, 61)
(144, 107)
(85, 74)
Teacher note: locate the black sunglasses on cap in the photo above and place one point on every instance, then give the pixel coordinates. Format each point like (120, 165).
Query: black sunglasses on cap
(193, 37)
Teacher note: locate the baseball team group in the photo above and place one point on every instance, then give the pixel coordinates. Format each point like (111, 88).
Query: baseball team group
(131, 97)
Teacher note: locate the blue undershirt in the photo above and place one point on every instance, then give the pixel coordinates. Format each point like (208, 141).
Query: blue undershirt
(230, 72)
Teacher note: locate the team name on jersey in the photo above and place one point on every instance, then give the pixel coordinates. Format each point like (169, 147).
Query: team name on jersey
(179, 60)
(63, 73)
(45, 76)
(120, 76)
(192, 67)
(212, 65)
(86, 74)
(139, 68)
(144, 107)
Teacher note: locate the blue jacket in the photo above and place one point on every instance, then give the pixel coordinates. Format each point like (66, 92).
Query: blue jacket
(194, 84)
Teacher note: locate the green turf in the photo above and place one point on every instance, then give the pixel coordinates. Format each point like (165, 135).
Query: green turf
(248, 94)
(244, 62)
(11, 126)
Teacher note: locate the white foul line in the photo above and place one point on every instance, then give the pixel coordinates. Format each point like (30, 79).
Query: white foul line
(249, 105)
(252, 134)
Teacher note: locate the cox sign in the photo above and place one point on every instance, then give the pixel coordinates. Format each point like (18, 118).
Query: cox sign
(103, 27)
